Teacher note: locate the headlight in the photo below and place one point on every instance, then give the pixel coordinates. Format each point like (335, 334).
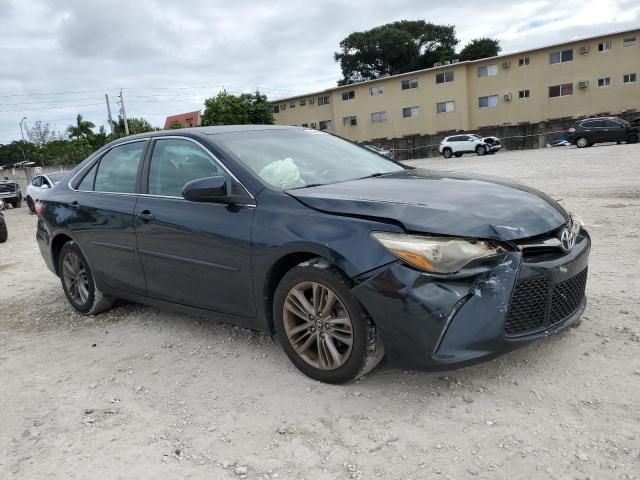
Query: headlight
(434, 254)
(575, 219)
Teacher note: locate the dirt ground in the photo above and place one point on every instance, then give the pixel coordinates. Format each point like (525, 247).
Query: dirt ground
(142, 393)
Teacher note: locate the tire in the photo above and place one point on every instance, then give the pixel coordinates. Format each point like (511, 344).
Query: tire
(3, 230)
(17, 203)
(481, 150)
(330, 360)
(458, 154)
(632, 138)
(582, 142)
(88, 300)
(447, 152)
(31, 204)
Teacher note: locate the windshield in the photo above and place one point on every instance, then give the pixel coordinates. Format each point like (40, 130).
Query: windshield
(56, 177)
(297, 158)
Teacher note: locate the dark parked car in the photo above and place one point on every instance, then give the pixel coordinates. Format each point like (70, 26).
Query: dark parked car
(588, 131)
(10, 192)
(342, 253)
(3, 226)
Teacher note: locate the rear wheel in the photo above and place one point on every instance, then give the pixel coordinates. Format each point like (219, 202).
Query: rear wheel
(3, 229)
(481, 150)
(78, 283)
(447, 152)
(458, 154)
(582, 142)
(322, 327)
(632, 138)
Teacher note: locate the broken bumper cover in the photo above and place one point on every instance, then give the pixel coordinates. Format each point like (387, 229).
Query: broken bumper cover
(436, 322)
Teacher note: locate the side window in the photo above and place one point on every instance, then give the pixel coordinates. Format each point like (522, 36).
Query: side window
(87, 182)
(37, 182)
(591, 124)
(176, 162)
(611, 124)
(118, 169)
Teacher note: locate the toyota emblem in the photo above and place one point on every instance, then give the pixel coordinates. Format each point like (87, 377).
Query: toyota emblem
(568, 238)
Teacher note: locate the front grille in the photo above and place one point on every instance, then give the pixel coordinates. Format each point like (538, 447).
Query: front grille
(567, 297)
(537, 304)
(7, 187)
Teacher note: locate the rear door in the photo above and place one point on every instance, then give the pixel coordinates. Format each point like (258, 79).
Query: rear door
(614, 131)
(593, 130)
(195, 254)
(101, 217)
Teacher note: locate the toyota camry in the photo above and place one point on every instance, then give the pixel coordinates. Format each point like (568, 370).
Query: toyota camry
(345, 255)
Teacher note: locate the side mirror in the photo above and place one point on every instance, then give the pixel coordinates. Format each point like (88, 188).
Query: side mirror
(45, 185)
(209, 189)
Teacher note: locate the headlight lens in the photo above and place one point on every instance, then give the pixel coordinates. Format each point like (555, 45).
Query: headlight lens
(576, 220)
(434, 254)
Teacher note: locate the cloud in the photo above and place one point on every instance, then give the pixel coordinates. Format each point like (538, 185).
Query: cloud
(168, 56)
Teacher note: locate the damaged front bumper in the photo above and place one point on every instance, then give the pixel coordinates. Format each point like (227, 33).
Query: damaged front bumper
(437, 322)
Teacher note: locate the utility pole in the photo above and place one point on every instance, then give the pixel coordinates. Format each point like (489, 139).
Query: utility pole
(24, 142)
(106, 97)
(124, 114)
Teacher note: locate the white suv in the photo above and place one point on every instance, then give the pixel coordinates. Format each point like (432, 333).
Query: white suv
(468, 143)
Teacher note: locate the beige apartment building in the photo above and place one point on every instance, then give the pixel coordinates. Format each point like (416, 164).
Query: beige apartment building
(591, 76)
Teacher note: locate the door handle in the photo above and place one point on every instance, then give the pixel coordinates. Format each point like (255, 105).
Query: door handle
(74, 205)
(146, 216)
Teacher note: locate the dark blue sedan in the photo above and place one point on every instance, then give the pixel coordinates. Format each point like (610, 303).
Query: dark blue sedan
(347, 256)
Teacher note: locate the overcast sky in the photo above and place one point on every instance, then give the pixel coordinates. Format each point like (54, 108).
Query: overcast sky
(60, 58)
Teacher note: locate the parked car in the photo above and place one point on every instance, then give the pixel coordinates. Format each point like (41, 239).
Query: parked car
(588, 131)
(3, 225)
(10, 192)
(344, 254)
(40, 184)
(457, 145)
(380, 151)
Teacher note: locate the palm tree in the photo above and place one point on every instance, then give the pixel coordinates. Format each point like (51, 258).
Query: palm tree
(81, 129)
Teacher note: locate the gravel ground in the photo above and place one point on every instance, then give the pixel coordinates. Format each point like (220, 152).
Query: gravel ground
(143, 393)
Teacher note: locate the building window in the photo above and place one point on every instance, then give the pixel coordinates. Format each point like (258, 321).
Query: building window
(561, 90)
(489, 101)
(629, 42)
(523, 62)
(523, 94)
(303, 103)
(379, 116)
(561, 56)
(488, 70)
(444, 77)
(376, 90)
(407, 84)
(409, 112)
(305, 125)
(350, 120)
(445, 107)
(604, 82)
(325, 124)
(276, 109)
(348, 95)
(326, 100)
(292, 105)
(629, 78)
(604, 46)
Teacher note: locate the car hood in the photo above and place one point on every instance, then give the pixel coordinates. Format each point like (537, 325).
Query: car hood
(442, 203)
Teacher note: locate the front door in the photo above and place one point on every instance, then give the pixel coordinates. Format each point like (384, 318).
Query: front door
(195, 254)
(101, 218)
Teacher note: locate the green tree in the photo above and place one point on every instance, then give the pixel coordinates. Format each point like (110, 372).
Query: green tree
(227, 109)
(81, 129)
(136, 125)
(480, 48)
(394, 48)
(41, 133)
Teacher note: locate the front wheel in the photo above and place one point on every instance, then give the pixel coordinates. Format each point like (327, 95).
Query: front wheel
(17, 203)
(78, 283)
(31, 204)
(582, 142)
(481, 150)
(322, 327)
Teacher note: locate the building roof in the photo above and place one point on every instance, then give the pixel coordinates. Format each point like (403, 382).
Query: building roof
(181, 118)
(449, 66)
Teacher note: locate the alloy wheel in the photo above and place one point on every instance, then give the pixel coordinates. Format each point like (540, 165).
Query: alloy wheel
(76, 280)
(318, 325)
(582, 142)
